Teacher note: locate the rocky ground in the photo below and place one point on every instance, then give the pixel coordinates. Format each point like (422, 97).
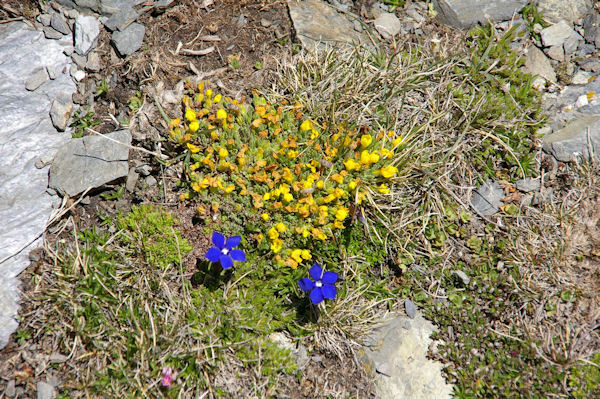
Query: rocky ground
(127, 60)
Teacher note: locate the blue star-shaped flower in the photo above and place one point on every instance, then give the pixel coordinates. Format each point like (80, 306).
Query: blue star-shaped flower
(223, 251)
(322, 287)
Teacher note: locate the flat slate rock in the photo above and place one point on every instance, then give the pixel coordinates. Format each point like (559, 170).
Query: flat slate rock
(574, 141)
(487, 199)
(87, 29)
(90, 162)
(396, 356)
(570, 10)
(315, 21)
(129, 39)
(464, 14)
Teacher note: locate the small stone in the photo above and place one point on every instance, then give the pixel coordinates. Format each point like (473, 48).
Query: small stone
(461, 277)
(528, 184)
(591, 66)
(384, 368)
(486, 200)
(406, 325)
(151, 181)
(467, 13)
(132, 179)
(10, 390)
(57, 357)
(539, 83)
(44, 19)
(241, 21)
(77, 74)
(410, 308)
(581, 78)
(556, 35)
(388, 25)
(537, 63)
(144, 170)
(45, 391)
(576, 140)
(87, 29)
(265, 23)
(86, 200)
(79, 60)
(60, 113)
(556, 10)
(129, 40)
(58, 23)
(415, 15)
(591, 28)
(572, 43)
(93, 62)
(37, 79)
(51, 33)
(556, 53)
(582, 101)
(585, 49)
(120, 20)
(71, 13)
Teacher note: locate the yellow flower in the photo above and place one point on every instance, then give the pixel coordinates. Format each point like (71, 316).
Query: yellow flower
(190, 115)
(194, 149)
(273, 233)
(397, 141)
(280, 227)
(267, 196)
(320, 184)
(339, 179)
(314, 134)
(214, 135)
(351, 164)
(383, 189)
(352, 185)
(385, 153)
(388, 171)
(297, 255)
(338, 224)
(319, 234)
(221, 114)
(287, 197)
(365, 157)
(276, 245)
(209, 93)
(366, 140)
(292, 154)
(306, 254)
(217, 99)
(229, 188)
(341, 213)
(305, 233)
(259, 237)
(306, 125)
(194, 126)
(374, 157)
(265, 216)
(223, 153)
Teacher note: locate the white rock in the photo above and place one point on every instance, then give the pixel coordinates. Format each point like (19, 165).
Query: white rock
(581, 78)
(78, 74)
(556, 34)
(60, 113)
(537, 63)
(87, 29)
(556, 53)
(581, 101)
(539, 83)
(388, 25)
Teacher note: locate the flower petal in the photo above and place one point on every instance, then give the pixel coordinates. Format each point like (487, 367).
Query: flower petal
(329, 291)
(233, 241)
(213, 254)
(226, 261)
(219, 240)
(330, 277)
(315, 272)
(316, 296)
(306, 284)
(238, 254)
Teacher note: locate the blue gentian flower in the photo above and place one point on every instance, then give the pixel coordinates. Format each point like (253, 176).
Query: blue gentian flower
(223, 251)
(322, 287)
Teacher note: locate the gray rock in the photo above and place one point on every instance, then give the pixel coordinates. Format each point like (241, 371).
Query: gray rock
(79, 60)
(591, 28)
(575, 140)
(572, 43)
(71, 13)
(410, 308)
(93, 5)
(58, 23)
(93, 62)
(87, 29)
(129, 39)
(461, 277)
(60, 112)
(37, 79)
(556, 53)
(132, 179)
(51, 33)
(151, 181)
(45, 391)
(464, 14)
(387, 25)
(537, 63)
(557, 34)
(581, 78)
(90, 161)
(10, 390)
(121, 19)
(57, 358)
(51, 71)
(528, 185)
(592, 65)
(144, 170)
(399, 364)
(585, 49)
(486, 200)
(570, 10)
(315, 21)
(44, 19)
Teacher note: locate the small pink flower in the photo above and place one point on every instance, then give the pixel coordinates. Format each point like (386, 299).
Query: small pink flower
(168, 377)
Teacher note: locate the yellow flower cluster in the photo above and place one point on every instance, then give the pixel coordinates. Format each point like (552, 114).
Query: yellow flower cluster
(299, 178)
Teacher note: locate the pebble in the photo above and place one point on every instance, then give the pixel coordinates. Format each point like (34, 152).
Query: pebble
(410, 308)
(388, 25)
(461, 277)
(45, 391)
(77, 74)
(60, 113)
(486, 200)
(37, 79)
(87, 29)
(528, 184)
(93, 62)
(129, 39)
(58, 23)
(144, 170)
(10, 390)
(51, 33)
(132, 179)
(151, 181)
(556, 35)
